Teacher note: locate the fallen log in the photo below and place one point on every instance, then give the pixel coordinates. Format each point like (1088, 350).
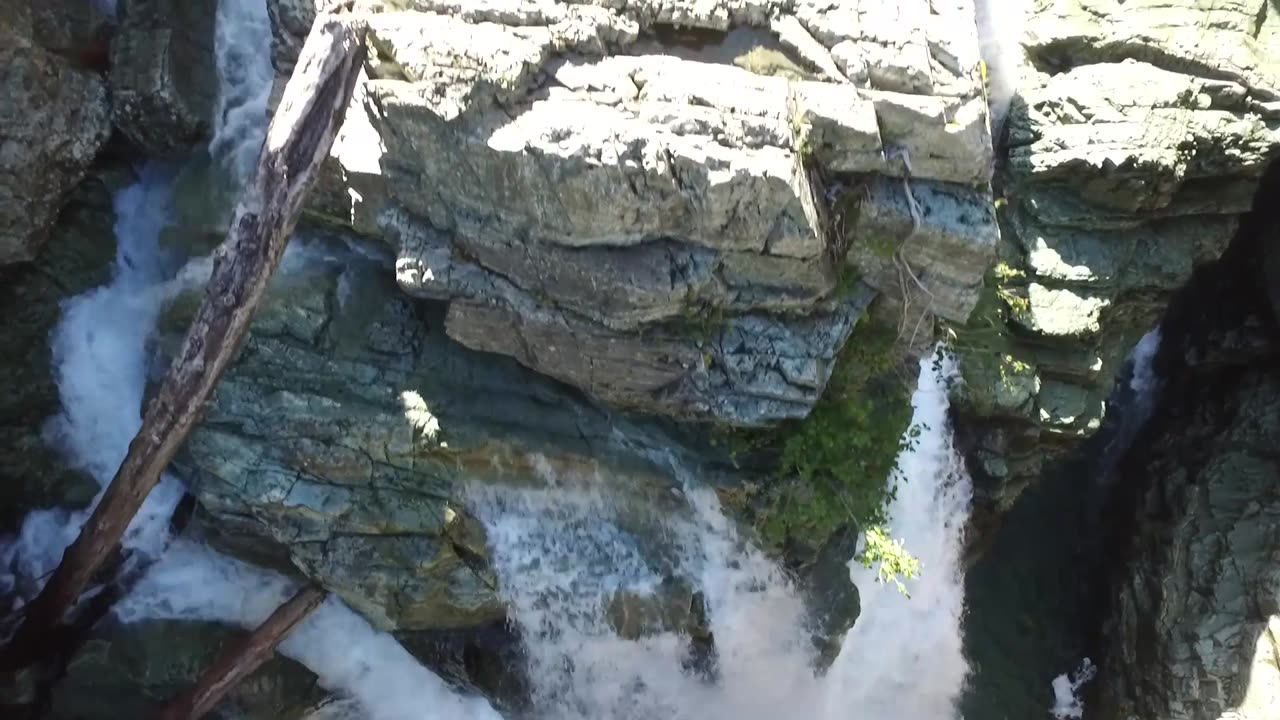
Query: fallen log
(298, 140)
(238, 660)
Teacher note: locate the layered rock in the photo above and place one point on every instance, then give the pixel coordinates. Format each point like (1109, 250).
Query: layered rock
(53, 121)
(341, 443)
(1135, 141)
(655, 203)
(1193, 627)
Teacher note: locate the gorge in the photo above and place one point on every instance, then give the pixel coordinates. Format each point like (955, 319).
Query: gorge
(618, 336)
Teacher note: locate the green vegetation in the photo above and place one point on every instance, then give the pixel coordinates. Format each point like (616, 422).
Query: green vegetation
(838, 465)
(991, 362)
(895, 562)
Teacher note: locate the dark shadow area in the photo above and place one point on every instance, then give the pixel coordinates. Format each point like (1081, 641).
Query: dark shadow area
(1099, 535)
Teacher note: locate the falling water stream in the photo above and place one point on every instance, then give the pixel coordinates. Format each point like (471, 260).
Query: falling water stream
(564, 550)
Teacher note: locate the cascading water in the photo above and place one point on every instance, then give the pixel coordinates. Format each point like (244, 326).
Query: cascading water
(899, 640)
(566, 551)
(1136, 398)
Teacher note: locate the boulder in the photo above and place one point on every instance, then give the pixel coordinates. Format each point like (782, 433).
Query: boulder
(53, 122)
(163, 73)
(129, 670)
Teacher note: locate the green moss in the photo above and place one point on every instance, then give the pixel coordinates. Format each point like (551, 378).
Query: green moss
(835, 466)
(882, 245)
(841, 455)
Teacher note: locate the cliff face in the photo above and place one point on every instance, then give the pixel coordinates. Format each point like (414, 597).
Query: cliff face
(658, 204)
(1193, 629)
(1135, 140)
(342, 442)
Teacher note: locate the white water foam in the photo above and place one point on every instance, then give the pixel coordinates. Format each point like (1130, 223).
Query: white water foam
(903, 660)
(99, 360)
(1000, 27)
(563, 551)
(242, 43)
(1067, 704)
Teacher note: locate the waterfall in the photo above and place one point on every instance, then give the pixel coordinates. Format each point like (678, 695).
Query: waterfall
(1000, 27)
(903, 659)
(1136, 399)
(566, 551)
(242, 49)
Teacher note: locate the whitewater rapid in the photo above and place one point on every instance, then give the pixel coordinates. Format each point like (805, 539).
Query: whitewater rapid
(564, 551)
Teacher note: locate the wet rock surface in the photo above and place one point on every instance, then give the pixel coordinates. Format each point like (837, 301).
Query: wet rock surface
(344, 434)
(130, 670)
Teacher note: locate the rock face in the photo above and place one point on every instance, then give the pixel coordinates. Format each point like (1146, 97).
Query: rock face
(1193, 630)
(657, 204)
(340, 442)
(77, 257)
(1135, 141)
(53, 121)
(163, 73)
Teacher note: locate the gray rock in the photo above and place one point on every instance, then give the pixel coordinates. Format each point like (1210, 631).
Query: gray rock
(163, 73)
(575, 207)
(1192, 629)
(291, 20)
(950, 240)
(342, 435)
(53, 122)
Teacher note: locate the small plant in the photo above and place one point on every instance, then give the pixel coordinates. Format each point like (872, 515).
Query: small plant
(839, 462)
(894, 562)
(801, 132)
